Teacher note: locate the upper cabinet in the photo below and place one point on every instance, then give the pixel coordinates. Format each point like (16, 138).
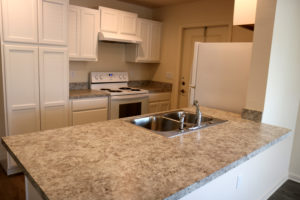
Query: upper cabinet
(53, 21)
(117, 25)
(20, 21)
(35, 21)
(149, 50)
(83, 33)
(244, 12)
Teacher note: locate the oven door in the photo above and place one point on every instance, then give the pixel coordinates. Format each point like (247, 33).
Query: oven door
(128, 105)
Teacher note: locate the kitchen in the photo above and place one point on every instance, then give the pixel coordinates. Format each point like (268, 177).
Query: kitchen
(112, 56)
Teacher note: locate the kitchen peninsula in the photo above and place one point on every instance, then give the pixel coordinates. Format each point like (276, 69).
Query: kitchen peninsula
(117, 160)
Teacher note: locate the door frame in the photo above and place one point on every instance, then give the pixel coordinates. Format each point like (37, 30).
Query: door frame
(181, 29)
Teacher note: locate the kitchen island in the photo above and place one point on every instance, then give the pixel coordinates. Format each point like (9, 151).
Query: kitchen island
(118, 160)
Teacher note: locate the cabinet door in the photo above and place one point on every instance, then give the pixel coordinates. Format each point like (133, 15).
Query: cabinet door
(109, 20)
(89, 116)
(144, 33)
(54, 90)
(155, 41)
(74, 31)
(20, 20)
(128, 23)
(53, 21)
(154, 107)
(89, 28)
(22, 90)
(164, 106)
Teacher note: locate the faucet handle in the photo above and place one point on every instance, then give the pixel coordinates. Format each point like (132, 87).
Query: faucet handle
(196, 103)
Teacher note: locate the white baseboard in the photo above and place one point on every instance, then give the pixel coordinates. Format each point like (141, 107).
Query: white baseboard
(274, 187)
(294, 177)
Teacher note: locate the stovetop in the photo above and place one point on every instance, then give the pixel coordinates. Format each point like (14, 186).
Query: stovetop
(115, 83)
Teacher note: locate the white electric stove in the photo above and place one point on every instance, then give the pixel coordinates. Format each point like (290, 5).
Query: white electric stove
(124, 101)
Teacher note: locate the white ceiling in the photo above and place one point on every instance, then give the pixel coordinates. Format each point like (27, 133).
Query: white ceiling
(157, 3)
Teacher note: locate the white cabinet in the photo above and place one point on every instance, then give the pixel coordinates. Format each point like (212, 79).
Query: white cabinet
(83, 33)
(19, 18)
(89, 110)
(159, 102)
(22, 90)
(117, 25)
(54, 90)
(149, 50)
(53, 21)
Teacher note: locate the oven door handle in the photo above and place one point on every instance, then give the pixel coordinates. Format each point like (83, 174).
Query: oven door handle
(132, 96)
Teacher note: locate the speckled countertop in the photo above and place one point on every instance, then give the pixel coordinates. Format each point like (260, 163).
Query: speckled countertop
(117, 160)
(78, 94)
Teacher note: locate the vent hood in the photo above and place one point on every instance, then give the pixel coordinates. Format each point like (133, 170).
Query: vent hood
(118, 26)
(111, 37)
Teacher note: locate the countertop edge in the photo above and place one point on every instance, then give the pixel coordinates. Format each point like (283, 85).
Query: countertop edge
(26, 173)
(222, 171)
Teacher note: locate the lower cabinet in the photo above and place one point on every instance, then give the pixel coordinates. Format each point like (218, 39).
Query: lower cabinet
(89, 110)
(159, 102)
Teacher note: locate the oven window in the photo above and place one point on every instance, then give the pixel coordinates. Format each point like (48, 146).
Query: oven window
(130, 109)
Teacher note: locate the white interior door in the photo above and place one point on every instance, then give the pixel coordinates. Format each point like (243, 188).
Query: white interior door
(74, 31)
(20, 20)
(54, 90)
(22, 90)
(53, 21)
(89, 28)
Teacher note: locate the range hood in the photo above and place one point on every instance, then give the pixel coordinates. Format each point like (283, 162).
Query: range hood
(120, 38)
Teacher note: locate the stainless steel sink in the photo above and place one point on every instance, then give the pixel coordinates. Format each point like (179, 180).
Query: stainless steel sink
(167, 124)
(189, 117)
(157, 123)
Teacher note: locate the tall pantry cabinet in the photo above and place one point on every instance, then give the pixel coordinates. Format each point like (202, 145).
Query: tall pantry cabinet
(35, 68)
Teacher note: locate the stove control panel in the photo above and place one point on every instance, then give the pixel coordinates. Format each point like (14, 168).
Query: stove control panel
(108, 77)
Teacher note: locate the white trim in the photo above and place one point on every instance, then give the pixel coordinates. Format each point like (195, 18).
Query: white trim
(274, 188)
(294, 177)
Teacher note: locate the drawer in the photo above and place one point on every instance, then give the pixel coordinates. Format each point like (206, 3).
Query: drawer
(89, 104)
(89, 116)
(164, 96)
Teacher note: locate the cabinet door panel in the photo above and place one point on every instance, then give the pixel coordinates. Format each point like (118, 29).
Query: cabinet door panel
(155, 41)
(54, 87)
(74, 31)
(164, 106)
(53, 18)
(109, 20)
(22, 90)
(128, 23)
(89, 27)
(154, 107)
(20, 20)
(89, 116)
(144, 34)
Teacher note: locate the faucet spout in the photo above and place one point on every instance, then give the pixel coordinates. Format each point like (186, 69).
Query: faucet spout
(181, 119)
(198, 113)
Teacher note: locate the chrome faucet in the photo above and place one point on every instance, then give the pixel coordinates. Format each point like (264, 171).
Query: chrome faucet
(198, 113)
(181, 119)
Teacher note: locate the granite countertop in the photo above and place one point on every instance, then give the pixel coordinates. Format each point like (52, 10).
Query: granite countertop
(86, 93)
(113, 159)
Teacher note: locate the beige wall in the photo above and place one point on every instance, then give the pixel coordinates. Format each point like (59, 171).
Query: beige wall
(261, 54)
(198, 13)
(112, 55)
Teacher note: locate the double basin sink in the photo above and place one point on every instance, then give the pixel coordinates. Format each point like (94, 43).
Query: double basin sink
(168, 124)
